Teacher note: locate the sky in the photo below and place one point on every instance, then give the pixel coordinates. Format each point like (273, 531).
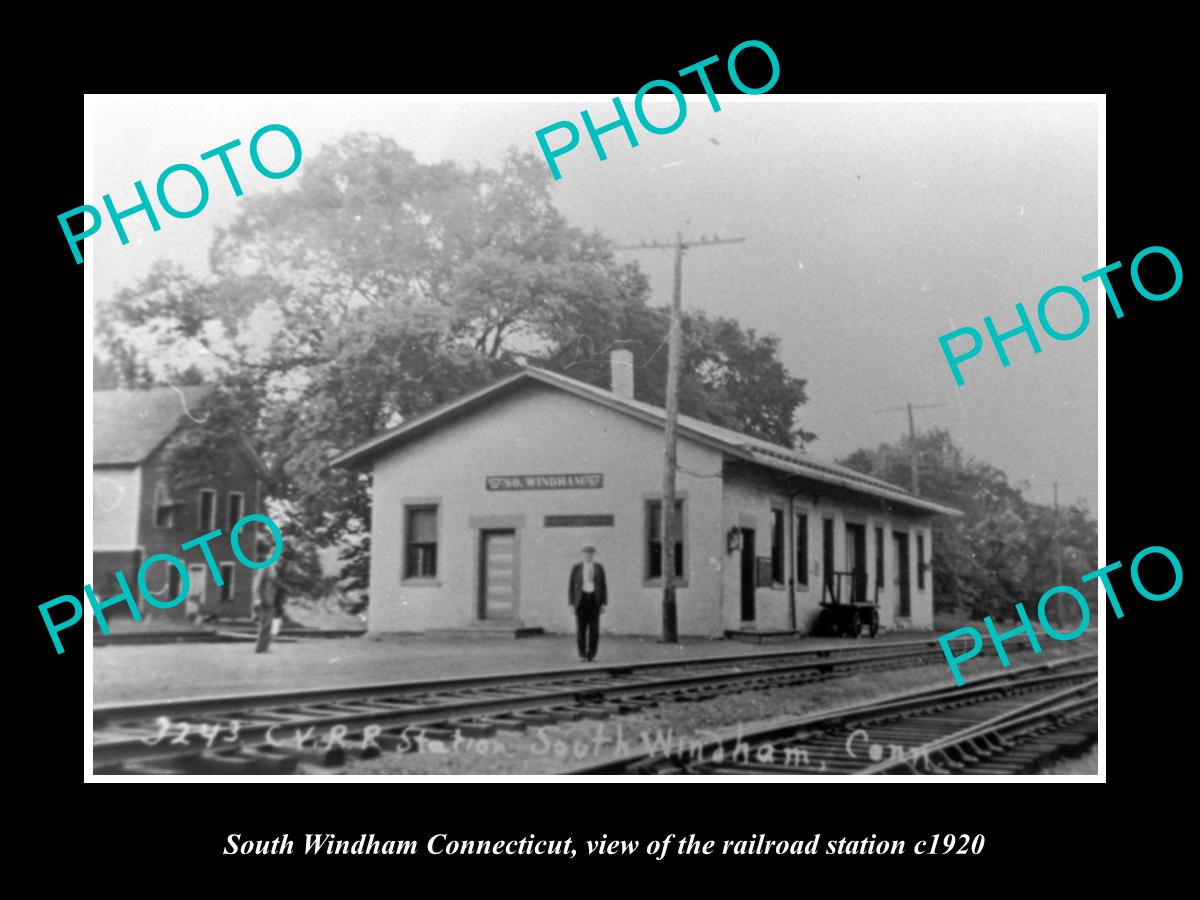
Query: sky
(872, 228)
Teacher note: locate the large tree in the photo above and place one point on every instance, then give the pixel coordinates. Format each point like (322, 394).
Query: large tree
(381, 287)
(730, 376)
(1002, 550)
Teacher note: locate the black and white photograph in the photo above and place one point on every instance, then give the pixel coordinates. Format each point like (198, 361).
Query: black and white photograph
(688, 433)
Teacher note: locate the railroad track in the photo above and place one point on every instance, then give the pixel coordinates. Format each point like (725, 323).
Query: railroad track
(272, 733)
(1007, 723)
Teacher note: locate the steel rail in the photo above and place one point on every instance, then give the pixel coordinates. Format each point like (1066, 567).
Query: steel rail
(990, 687)
(991, 737)
(102, 714)
(122, 733)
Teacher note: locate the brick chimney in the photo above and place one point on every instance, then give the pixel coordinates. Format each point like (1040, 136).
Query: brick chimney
(622, 371)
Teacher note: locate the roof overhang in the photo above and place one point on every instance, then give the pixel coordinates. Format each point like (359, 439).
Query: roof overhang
(897, 497)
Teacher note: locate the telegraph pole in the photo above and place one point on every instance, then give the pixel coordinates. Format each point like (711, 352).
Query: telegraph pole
(674, 353)
(1057, 538)
(914, 477)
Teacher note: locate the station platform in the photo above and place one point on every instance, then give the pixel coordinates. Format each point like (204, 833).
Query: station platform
(123, 674)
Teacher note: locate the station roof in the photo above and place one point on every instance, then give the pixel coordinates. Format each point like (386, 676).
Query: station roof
(729, 442)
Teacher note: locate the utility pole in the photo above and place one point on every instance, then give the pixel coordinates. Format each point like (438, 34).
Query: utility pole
(914, 477)
(674, 353)
(914, 471)
(1057, 539)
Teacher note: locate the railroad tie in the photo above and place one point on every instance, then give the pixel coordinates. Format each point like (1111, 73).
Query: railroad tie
(534, 716)
(594, 711)
(475, 728)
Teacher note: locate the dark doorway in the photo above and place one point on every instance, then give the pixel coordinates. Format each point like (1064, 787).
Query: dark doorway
(827, 552)
(748, 575)
(878, 563)
(856, 561)
(904, 607)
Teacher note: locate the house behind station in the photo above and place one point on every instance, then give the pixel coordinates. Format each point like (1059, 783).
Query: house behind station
(138, 512)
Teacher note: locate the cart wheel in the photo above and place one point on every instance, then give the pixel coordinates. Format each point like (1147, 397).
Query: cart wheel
(874, 622)
(825, 624)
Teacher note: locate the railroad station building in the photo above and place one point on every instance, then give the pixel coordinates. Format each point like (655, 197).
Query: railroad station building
(480, 508)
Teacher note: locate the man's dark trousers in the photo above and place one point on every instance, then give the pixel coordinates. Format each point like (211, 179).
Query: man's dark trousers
(587, 622)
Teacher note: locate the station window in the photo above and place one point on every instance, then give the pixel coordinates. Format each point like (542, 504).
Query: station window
(777, 545)
(920, 562)
(208, 510)
(237, 503)
(654, 554)
(802, 549)
(420, 548)
(227, 573)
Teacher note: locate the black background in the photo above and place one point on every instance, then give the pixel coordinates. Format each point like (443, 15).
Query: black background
(1149, 413)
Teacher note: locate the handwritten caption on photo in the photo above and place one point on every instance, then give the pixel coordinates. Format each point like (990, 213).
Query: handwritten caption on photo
(547, 742)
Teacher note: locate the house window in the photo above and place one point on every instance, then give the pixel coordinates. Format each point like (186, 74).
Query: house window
(802, 549)
(920, 562)
(878, 558)
(208, 510)
(420, 548)
(777, 546)
(237, 503)
(164, 510)
(654, 549)
(227, 587)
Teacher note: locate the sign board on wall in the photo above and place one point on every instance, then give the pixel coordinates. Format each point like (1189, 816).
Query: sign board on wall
(543, 482)
(594, 521)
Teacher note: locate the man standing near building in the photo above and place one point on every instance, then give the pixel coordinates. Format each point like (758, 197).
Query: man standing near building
(268, 597)
(588, 595)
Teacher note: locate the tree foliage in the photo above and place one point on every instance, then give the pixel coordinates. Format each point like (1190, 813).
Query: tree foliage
(381, 287)
(1002, 550)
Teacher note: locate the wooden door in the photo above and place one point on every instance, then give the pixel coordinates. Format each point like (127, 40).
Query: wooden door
(498, 575)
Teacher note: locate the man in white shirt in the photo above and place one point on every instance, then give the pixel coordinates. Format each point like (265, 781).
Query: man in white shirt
(268, 598)
(587, 593)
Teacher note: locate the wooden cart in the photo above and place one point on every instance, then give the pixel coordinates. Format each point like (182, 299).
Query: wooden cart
(844, 609)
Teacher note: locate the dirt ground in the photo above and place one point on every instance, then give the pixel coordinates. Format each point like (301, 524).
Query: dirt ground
(1086, 763)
